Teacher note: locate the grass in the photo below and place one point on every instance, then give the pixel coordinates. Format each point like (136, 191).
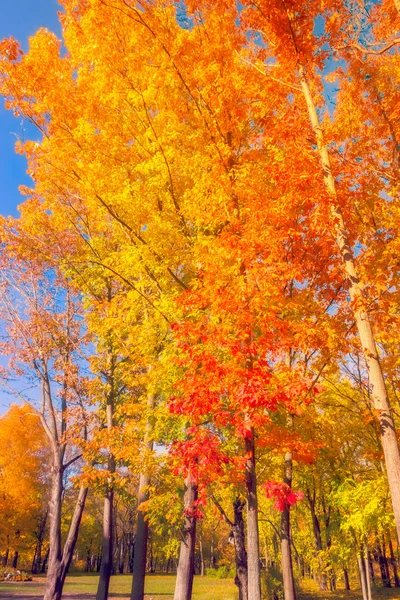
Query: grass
(158, 587)
(161, 587)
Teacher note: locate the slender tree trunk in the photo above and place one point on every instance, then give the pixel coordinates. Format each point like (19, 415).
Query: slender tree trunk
(212, 556)
(45, 561)
(378, 388)
(366, 569)
(108, 516)
(253, 550)
(238, 536)
(385, 561)
(5, 557)
(107, 552)
(140, 554)
(202, 568)
(241, 578)
(321, 575)
(286, 552)
(185, 573)
(371, 568)
(346, 579)
(382, 566)
(15, 559)
(394, 564)
(53, 588)
(37, 559)
(363, 580)
(73, 531)
(142, 528)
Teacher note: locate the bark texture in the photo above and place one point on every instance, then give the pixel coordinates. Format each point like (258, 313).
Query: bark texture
(253, 546)
(287, 564)
(140, 552)
(107, 552)
(362, 575)
(241, 578)
(185, 573)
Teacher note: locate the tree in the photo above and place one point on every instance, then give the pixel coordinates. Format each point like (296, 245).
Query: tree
(43, 340)
(24, 482)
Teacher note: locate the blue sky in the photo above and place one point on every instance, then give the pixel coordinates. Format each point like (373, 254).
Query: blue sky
(19, 19)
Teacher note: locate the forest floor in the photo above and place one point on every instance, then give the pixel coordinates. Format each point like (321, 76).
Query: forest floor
(161, 587)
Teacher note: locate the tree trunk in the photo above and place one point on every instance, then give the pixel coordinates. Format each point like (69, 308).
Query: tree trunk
(5, 557)
(15, 559)
(45, 561)
(107, 552)
(53, 589)
(346, 579)
(140, 554)
(202, 567)
(37, 559)
(363, 580)
(382, 566)
(366, 569)
(321, 575)
(185, 573)
(73, 531)
(108, 516)
(142, 528)
(378, 388)
(394, 564)
(253, 550)
(241, 578)
(286, 552)
(385, 561)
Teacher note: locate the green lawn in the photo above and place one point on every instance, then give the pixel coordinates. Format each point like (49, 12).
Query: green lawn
(158, 587)
(161, 587)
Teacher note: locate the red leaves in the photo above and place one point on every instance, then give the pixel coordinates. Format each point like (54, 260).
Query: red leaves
(200, 454)
(284, 495)
(10, 49)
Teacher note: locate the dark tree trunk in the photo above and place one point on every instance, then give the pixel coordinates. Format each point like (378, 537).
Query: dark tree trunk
(286, 552)
(142, 528)
(5, 557)
(382, 566)
(321, 575)
(253, 550)
(385, 561)
(15, 559)
(346, 579)
(107, 552)
(185, 573)
(37, 559)
(371, 568)
(141, 539)
(45, 561)
(393, 563)
(238, 533)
